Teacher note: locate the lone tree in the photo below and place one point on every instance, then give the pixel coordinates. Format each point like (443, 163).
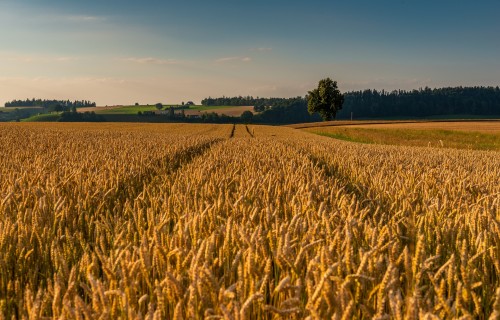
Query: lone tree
(326, 99)
(246, 116)
(159, 106)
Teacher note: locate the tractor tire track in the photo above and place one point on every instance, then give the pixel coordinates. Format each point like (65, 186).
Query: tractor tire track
(232, 132)
(131, 187)
(249, 132)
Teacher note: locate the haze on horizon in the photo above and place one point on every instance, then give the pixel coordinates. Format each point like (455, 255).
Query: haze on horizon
(122, 52)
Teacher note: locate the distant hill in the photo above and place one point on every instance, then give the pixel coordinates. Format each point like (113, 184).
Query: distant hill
(235, 111)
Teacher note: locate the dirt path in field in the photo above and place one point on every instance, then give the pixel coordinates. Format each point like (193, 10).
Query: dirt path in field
(337, 123)
(464, 125)
(482, 126)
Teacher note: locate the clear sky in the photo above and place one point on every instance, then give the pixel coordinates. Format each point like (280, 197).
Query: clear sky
(148, 51)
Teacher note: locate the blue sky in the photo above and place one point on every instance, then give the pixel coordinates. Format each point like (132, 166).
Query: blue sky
(121, 52)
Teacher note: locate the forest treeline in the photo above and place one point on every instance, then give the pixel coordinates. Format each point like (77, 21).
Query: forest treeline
(377, 104)
(63, 104)
(422, 103)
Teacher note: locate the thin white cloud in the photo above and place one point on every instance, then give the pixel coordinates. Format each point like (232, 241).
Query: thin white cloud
(262, 49)
(150, 60)
(83, 18)
(233, 59)
(66, 59)
(23, 58)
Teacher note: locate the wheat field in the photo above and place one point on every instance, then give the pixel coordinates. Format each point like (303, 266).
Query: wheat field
(177, 221)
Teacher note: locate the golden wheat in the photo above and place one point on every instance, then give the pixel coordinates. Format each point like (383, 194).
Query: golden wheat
(235, 222)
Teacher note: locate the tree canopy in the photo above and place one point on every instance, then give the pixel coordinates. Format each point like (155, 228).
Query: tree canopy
(325, 100)
(246, 116)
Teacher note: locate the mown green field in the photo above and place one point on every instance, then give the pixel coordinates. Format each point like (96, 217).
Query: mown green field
(14, 109)
(126, 109)
(48, 117)
(414, 137)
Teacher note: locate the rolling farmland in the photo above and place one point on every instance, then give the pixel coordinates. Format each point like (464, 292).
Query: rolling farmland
(235, 111)
(241, 222)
